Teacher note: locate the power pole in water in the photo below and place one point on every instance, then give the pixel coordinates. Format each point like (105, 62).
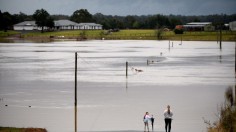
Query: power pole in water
(220, 37)
(75, 91)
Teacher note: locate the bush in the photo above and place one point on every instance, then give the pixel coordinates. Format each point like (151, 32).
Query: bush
(179, 31)
(227, 119)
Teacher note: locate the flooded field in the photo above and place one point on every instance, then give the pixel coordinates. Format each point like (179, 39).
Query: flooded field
(37, 84)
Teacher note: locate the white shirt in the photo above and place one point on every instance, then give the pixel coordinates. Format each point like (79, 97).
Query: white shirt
(147, 117)
(168, 116)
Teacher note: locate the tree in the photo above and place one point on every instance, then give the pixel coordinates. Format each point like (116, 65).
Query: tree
(1, 20)
(50, 22)
(82, 15)
(42, 18)
(5, 21)
(174, 22)
(136, 25)
(19, 17)
(129, 21)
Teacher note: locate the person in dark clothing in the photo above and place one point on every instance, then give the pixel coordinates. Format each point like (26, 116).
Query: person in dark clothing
(168, 118)
(152, 122)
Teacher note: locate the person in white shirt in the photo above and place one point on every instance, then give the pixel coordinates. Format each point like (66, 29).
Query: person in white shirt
(168, 118)
(146, 118)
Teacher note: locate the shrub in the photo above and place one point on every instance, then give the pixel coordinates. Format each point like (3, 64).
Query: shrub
(179, 31)
(227, 119)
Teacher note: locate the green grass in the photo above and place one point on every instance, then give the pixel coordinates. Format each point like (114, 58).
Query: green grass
(13, 129)
(8, 33)
(143, 34)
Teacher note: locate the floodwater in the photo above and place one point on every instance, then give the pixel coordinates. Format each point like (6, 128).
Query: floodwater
(37, 84)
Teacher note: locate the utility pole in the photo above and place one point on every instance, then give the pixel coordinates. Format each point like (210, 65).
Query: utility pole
(220, 37)
(75, 91)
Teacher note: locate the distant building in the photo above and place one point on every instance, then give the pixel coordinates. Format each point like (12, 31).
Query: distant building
(26, 25)
(199, 26)
(89, 26)
(65, 25)
(232, 26)
(179, 27)
(59, 25)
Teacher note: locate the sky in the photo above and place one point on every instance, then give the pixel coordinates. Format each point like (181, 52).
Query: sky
(122, 7)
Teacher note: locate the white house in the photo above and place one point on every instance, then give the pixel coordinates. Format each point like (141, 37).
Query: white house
(90, 26)
(65, 24)
(26, 25)
(59, 25)
(232, 26)
(199, 26)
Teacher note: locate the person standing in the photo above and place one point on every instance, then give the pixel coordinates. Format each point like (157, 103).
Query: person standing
(168, 118)
(152, 121)
(146, 118)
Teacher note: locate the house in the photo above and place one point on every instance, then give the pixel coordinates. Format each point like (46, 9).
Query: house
(65, 25)
(232, 26)
(59, 25)
(199, 26)
(26, 25)
(91, 26)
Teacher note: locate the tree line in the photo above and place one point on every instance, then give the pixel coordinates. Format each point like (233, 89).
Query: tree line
(43, 18)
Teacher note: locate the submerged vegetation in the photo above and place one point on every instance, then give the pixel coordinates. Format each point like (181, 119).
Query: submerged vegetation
(227, 115)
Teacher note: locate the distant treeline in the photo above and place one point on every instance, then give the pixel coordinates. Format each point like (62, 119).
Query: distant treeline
(7, 20)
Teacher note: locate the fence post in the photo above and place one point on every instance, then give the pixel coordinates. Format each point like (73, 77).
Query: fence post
(126, 69)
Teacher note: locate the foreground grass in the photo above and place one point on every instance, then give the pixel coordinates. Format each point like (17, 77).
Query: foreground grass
(12, 129)
(127, 35)
(227, 120)
(8, 33)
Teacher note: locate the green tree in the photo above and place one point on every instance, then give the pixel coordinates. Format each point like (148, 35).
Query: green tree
(1, 20)
(136, 25)
(174, 22)
(19, 17)
(129, 21)
(50, 22)
(6, 21)
(42, 18)
(82, 15)
(159, 33)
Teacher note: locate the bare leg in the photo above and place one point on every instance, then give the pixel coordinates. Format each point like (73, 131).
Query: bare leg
(145, 126)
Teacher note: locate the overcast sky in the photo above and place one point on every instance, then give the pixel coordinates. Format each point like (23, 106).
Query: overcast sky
(122, 7)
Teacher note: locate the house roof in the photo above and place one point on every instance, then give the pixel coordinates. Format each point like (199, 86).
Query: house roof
(193, 25)
(26, 23)
(199, 23)
(65, 23)
(58, 23)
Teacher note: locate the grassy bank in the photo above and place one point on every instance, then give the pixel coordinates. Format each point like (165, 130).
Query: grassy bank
(227, 120)
(127, 35)
(12, 129)
(8, 33)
